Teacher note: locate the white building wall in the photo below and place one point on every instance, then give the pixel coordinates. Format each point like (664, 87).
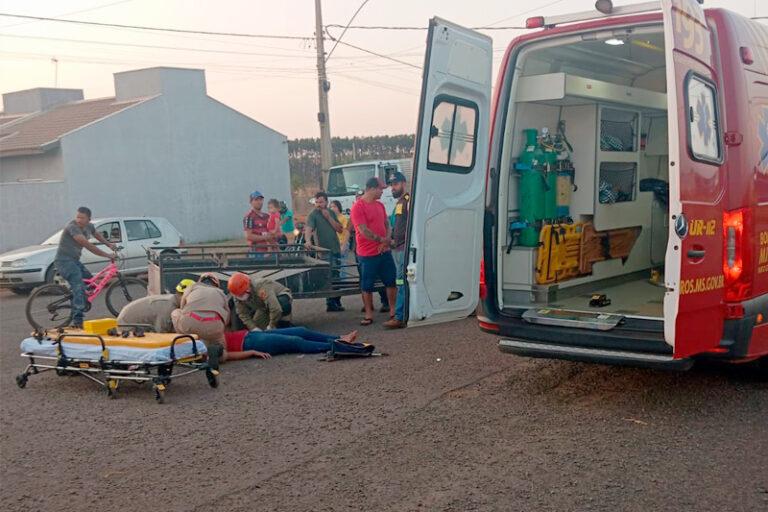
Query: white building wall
(47, 166)
(31, 212)
(185, 157)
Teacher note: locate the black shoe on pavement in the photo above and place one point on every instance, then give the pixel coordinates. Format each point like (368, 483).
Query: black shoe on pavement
(75, 325)
(334, 308)
(214, 356)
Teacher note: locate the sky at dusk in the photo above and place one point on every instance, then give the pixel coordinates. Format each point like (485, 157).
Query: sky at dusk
(271, 80)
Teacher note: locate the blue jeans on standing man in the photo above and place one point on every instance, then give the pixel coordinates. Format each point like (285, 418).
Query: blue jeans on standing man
(74, 272)
(399, 255)
(335, 260)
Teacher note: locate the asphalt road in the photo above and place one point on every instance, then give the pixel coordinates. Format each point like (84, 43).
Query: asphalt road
(446, 422)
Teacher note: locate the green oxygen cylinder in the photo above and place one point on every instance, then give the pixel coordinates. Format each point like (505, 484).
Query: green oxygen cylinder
(550, 161)
(531, 189)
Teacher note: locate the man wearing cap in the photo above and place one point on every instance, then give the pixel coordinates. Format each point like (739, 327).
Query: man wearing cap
(256, 225)
(398, 184)
(154, 310)
(372, 234)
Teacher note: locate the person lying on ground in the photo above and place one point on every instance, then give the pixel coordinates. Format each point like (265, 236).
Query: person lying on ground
(291, 340)
(154, 310)
(260, 303)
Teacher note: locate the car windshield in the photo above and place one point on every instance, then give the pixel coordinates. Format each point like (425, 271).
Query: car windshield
(53, 239)
(345, 181)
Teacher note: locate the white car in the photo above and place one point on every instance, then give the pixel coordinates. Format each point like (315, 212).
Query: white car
(23, 269)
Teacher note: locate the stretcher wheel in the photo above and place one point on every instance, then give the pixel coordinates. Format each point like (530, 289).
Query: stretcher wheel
(159, 393)
(112, 389)
(213, 378)
(21, 380)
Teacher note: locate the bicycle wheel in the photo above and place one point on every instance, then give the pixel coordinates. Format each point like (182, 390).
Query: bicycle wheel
(123, 291)
(49, 307)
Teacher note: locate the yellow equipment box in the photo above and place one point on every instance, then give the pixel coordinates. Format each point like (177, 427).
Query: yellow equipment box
(100, 326)
(559, 251)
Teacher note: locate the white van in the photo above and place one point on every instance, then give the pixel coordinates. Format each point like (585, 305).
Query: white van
(344, 182)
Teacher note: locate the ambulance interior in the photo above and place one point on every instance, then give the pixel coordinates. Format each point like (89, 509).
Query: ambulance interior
(585, 176)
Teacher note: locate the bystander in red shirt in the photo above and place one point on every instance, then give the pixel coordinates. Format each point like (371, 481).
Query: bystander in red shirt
(374, 216)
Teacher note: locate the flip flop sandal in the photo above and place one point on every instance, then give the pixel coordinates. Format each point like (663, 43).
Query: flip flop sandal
(366, 321)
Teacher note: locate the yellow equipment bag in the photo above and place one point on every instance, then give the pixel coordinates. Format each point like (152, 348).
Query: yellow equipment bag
(100, 326)
(559, 248)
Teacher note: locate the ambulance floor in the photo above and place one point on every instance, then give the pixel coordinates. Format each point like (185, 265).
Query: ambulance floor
(635, 298)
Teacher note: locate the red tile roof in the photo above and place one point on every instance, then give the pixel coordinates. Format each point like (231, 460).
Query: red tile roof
(28, 134)
(9, 118)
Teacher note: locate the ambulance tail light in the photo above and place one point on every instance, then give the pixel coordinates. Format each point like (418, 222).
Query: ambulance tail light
(483, 286)
(737, 255)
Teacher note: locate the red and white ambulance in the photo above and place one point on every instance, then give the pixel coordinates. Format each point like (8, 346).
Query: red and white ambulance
(663, 257)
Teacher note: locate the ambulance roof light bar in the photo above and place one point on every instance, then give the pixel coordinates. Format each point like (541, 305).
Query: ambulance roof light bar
(603, 9)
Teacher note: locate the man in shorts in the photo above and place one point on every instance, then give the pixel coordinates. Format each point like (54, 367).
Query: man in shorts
(372, 237)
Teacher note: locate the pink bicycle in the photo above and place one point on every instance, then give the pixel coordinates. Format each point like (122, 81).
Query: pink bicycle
(50, 306)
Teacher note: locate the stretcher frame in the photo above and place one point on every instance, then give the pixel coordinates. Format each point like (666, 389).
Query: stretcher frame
(109, 373)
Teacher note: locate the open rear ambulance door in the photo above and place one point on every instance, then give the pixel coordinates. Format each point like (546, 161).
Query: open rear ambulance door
(693, 305)
(448, 190)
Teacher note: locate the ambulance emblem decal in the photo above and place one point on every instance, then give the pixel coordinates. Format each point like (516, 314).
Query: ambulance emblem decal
(704, 124)
(762, 131)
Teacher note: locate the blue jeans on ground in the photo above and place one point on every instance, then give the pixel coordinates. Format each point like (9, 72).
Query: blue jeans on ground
(335, 259)
(74, 272)
(399, 256)
(296, 340)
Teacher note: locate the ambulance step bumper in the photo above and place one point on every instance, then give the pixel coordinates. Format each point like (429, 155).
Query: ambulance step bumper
(593, 355)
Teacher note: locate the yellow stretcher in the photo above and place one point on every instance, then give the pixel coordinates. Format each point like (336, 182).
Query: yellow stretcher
(559, 249)
(109, 355)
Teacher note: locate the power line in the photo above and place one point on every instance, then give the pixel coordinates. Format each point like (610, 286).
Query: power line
(346, 28)
(95, 8)
(523, 13)
(232, 68)
(381, 55)
(157, 29)
(152, 46)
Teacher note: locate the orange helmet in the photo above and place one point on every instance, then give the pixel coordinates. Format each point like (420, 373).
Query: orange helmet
(238, 284)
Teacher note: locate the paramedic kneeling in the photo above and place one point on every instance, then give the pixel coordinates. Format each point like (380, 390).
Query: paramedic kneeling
(73, 238)
(154, 310)
(260, 303)
(372, 237)
(204, 311)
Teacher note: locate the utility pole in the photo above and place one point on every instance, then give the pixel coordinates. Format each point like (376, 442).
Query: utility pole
(323, 86)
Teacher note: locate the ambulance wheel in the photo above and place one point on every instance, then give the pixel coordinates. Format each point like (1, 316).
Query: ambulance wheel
(213, 378)
(159, 393)
(762, 365)
(21, 380)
